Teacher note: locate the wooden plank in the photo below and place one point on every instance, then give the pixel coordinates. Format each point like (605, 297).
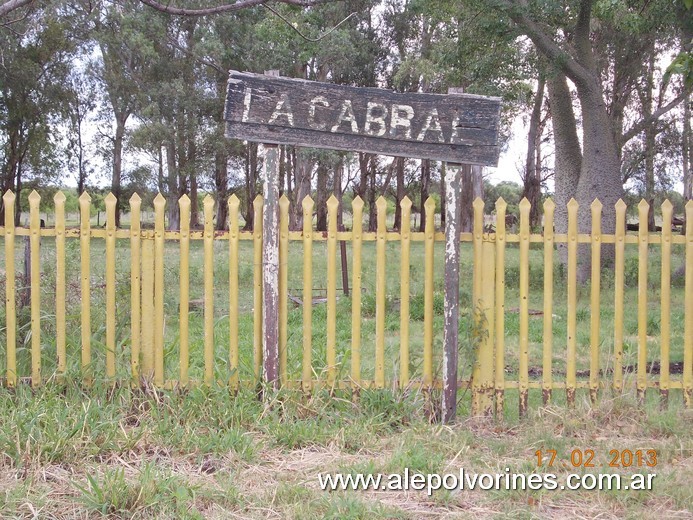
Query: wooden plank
(453, 194)
(458, 128)
(270, 267)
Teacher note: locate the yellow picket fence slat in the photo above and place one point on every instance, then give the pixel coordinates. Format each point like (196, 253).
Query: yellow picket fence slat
(499, 364)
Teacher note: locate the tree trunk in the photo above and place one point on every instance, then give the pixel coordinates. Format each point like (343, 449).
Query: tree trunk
(121, 119)
(472, 186)
(250, 184)
(172, 192)
(600, 173)
(321, 197)
(425, 186)
(650, 131)
(303, 169)
(532, 177)
(372, 210)
(568, 157)
(401, 192)
(194, 203)
(221, 185)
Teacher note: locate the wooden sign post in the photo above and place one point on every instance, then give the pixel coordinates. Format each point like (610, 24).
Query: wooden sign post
(459, 129)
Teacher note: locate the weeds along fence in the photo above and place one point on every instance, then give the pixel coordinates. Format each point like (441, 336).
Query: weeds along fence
(122, 304)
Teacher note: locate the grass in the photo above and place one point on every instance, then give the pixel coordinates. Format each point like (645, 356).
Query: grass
(113, 452)
(110, 451)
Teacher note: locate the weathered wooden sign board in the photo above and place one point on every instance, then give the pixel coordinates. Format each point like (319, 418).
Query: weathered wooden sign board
(458, 128)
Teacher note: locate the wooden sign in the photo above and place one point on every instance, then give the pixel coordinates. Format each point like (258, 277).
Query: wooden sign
(458, 128)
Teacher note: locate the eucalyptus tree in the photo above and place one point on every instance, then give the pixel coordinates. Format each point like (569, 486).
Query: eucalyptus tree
(599, 47)
(118, 34)
(36, 54)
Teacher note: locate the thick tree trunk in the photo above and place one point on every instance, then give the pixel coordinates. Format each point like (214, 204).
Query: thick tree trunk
(568, 158)
(600, 173)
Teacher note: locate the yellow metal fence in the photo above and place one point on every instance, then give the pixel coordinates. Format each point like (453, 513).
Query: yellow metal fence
(488, 381)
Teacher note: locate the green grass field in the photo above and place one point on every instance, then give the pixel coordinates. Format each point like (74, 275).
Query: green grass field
(68, 452)
(117, 453)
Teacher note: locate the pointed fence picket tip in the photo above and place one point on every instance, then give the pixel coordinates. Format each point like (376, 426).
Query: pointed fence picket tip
(59, 197)
(233, 201)
(283, 201)
(159, 200)
(8, 196)
(85, 197)
(332, 201)
(135, 199)
(549, 204)
(620, 205)
(381, 203)
(501, 204)
(689, 205)
(430, 204)
(405, 203)
(478, 203)
(525, 204)
(110, 198)
(357, 203)
(596, 204)
(208, 201)
(667, 205)
(572, 203)
(643, 205)
(34, 197)
(308, 202)
(184, 200)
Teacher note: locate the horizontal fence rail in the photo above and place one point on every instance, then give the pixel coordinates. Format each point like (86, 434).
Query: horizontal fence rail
(136, 262)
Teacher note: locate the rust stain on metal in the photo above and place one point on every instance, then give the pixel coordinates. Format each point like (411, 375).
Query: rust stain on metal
(524, 395)
(546, 396)
(570, 396)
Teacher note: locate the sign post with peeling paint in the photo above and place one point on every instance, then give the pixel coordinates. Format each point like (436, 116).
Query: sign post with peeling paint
(456, 128)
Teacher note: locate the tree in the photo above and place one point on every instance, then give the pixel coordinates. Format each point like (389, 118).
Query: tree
(32, 94)
(565, 36)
